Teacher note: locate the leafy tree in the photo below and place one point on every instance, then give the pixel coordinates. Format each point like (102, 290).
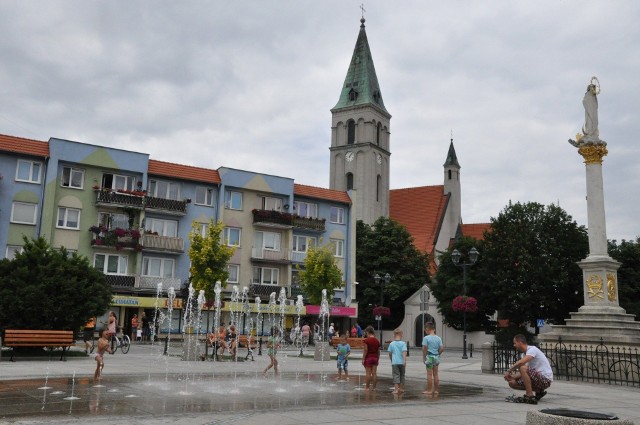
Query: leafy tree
(320, 272)
(628, 253)
(448, 284)
(530, 259)
(387, 247)
(209, 257)
(43, 288)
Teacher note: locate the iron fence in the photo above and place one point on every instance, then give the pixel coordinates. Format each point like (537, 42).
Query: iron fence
(602, 364)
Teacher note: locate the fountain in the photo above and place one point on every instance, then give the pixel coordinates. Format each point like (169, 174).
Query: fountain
(322, 346)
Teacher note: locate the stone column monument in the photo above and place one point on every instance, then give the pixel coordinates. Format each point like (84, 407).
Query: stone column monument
(601, 315)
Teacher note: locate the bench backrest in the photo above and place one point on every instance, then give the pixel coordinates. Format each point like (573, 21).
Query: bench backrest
(37, 338)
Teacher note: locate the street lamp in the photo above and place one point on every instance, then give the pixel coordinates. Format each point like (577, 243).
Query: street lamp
(378, 279)
(473, 257)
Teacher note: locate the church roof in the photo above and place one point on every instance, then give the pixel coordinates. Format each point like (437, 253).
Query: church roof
(321, 193)
(24, 146)
(476, 230)
(420, 210)
(185, 172)
(361, 83)
(452, 158)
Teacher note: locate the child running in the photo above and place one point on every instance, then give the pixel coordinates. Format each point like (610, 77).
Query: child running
(344, 349)
(431, 349)
(103, 347)
(272, 350)
(398, 355)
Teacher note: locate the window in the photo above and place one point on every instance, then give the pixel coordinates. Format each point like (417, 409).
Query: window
(351, 132)
(378, 132)
(265, 275)
(111, 221)
(303, 243)
(23, 213)
(268, 240)
(338, 247)
(157, 267)
(111, 263)
(336, 215)
(353, 95)
(295, 277)
(233, 200)
(234, 272)
(203, 229)
(72, 177)
(306, 209)
(349, 181)
(165, 190)
(232, 236)
(167, 228)
(12, 250)
(68, 218)
(378, 187)
(204, 196)
(270, 203)
(117, 181)
(28, 171)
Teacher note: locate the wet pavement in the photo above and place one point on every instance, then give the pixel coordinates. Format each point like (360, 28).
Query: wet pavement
(145, 387)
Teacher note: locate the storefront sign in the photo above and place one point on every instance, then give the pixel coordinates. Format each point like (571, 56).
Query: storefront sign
(144, 302)
(334, 311)
(264, 308)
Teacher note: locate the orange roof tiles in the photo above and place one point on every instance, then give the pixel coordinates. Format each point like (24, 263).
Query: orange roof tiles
(24, 146)
(420, 210)
(476, 230)
(321, 193)
(185, 172)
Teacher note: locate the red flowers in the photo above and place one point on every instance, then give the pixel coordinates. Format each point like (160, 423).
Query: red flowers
(465, 303)
(382, 311)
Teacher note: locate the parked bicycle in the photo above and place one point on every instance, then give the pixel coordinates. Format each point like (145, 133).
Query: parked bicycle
(123, 342)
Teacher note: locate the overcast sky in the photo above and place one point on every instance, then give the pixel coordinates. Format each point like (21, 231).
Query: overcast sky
(250, 85)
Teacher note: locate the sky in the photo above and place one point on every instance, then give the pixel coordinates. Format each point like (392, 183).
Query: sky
(250, 85)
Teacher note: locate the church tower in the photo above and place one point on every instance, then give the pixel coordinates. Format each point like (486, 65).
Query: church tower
(360, 129)
(452, 188)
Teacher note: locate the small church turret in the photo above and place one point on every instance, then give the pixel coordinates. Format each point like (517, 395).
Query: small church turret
(452, 187)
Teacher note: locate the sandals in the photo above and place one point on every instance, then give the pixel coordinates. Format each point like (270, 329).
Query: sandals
(540, 395)
(524, 399)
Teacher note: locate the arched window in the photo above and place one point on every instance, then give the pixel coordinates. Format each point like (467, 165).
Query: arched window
(449, 174)
(378, 132)
(353, 95)
(349, 181)
(378, 187)
(351, 132)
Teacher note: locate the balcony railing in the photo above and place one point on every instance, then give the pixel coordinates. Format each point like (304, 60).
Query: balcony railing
(149, 282)
(298, 257)
(295, 290)
(316, 224)
(117, 238)
(118, 281)
(273, 218)
(107, 197)
(162, 243)
(263, 291)
(283, 256)
(170, 206)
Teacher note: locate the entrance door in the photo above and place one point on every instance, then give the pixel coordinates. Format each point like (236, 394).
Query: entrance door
(419, 327)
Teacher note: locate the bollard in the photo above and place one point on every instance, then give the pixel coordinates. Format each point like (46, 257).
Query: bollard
(260, 347)
(166, 345)
(407, 348)
(471, 350)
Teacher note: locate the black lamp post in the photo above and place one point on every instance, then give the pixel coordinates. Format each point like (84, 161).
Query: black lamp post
(473, 257)
(379, 281)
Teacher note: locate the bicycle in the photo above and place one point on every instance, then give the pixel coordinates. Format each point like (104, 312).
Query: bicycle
(124, 343)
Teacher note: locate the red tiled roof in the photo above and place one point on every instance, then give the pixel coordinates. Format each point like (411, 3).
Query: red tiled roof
(321, 193)
(185, 172)
(420, 210)
(24, 146)
(476, 230)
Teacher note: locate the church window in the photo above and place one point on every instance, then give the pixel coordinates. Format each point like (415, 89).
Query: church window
(349, 181)
(449, 174)
(353, 95)
(378, 187)
(351, 132)
(378, 132)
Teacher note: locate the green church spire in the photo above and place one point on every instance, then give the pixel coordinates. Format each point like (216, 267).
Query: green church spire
(361, 84)
(452, 159)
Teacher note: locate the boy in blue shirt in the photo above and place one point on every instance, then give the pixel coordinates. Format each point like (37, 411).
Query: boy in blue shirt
(344, 350)
(398, 355)
(431, 349)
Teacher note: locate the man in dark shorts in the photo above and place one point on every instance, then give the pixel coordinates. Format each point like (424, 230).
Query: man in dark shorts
(531, 373)
(87, 334)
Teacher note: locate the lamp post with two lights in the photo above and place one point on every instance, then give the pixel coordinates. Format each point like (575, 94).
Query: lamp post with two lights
(473, 257)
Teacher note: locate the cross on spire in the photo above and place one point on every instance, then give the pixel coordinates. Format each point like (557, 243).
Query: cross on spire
(362, 9)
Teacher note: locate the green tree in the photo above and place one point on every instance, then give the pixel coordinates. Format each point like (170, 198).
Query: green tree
(320, 272)
(387, 247)
(43, 288)
(628, 253)
(530, 259)
(209, 257)
(448, 284)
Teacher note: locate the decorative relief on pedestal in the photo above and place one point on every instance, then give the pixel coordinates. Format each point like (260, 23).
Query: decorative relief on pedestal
(611, 286)
(593, 154)
(594, 283)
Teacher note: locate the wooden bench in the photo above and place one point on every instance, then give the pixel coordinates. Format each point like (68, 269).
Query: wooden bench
(242, 341)
(38, 338)
(354, 343)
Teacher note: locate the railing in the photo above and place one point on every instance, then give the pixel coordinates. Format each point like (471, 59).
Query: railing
(167, 205)
(316, 224)
(119, 199)
(295, 290)
(148, 282)
(120, 281)
(263, 291)
(283, 256)
(298, 257)
(272, 217)
(162, 243)
(575, 362)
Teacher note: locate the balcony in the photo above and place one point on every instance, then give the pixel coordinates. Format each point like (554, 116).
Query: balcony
(106, 197)
(267, 255)
(273, 219)
(314, 224)
(298, 257)
(119, 282)
(167, 206)
(149, 283)
(117, 238)
(263, 291)
(295, 290)
(162, 243)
